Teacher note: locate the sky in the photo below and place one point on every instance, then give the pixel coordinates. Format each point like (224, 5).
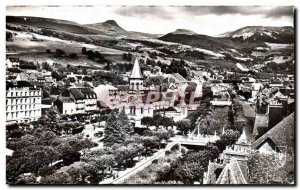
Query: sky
(208, 20)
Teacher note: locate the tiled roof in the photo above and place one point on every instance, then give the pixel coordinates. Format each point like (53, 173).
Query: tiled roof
(232, 174)
(281, 134)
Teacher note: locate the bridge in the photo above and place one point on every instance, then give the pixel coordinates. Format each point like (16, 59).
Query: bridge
(193, 138)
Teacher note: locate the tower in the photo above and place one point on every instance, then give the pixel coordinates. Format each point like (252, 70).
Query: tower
(136, 78)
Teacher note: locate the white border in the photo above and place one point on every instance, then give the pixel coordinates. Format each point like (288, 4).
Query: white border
(4, 3)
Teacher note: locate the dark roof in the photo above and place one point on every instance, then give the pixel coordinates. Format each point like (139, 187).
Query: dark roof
(281, 134)
(18, 84)
(11, 77)
(167, 109)
(77, 94)
(47, 101)
(123, 87)
(82, 93)
(191, 87)
(65, 99)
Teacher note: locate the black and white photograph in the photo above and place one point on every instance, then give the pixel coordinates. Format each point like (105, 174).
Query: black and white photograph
(150, 95)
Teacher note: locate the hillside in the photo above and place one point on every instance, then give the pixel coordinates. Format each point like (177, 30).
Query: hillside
(283, 35)
(51, 24)
(195, 40)
(109, 27)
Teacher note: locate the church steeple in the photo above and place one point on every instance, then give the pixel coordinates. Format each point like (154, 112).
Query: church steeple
(136, 77)
(136, 71)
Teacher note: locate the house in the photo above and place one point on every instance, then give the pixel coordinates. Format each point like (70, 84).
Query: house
(12, 62)
(232, 167)
(66, 105)
(279, 139)
(23, 101)
(85, 100)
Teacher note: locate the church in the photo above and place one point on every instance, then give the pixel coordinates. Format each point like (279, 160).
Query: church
(139, 101)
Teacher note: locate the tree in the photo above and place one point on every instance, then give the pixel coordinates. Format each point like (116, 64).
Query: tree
(125, 123)
(147, 121)
(24, 179)
(160, 134)
(228, 138)
(184, 126)
(57, 178)
(50, 120)
(113, 132)
(83, 50)
(150, 142)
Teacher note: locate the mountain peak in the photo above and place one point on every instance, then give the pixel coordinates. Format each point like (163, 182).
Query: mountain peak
(184, 31)
(111, 22)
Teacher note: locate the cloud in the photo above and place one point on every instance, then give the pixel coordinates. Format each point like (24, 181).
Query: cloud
(144, 11)
(169, 12)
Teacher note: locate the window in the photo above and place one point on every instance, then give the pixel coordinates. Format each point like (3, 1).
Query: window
(16, 93)
(148, 110)
(142, 110)
(132, 110)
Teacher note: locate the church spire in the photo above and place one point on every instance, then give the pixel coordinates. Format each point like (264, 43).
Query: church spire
(243, 138)
(136, 71)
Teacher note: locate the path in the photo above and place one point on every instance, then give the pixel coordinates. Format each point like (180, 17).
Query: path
(138, 167)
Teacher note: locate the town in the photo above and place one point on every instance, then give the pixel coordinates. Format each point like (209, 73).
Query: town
(146, 111)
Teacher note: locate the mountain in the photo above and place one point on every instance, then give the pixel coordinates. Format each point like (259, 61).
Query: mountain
(283, 34)
(51, 24)
(108, 27)
(184, 31)
(191, 38)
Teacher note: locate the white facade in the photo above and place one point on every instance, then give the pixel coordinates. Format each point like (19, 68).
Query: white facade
(23, 104)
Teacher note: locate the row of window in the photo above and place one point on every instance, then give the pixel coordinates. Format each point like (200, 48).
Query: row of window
(17, 114)
(23, 100)
(32, 93)
(21, 107)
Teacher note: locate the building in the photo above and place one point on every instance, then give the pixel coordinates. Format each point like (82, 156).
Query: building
(138, 101)
(77, 100)
(23, 102)
(232, 167)
(279, 139)
(12, 62)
